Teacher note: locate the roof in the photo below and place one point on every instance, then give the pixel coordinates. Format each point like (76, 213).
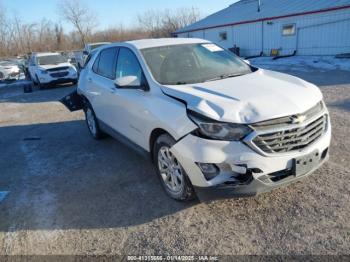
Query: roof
(246, 11)
(148, 43)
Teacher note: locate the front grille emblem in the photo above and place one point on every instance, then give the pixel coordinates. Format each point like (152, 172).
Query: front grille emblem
(298, 119)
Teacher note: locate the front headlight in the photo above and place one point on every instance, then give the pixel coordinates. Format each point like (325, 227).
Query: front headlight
(42, 71)
(219, 130)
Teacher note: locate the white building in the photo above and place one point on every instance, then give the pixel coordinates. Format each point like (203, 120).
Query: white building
(311, 27)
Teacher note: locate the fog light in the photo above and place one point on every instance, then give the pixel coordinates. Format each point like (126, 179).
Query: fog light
(209, 170)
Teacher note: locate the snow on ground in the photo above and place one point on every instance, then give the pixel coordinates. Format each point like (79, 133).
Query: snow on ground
(303, 63)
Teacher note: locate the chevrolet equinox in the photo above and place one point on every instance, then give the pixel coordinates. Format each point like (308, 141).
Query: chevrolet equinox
(214, 125)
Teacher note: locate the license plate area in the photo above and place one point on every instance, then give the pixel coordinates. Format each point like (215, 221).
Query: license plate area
(304, 164)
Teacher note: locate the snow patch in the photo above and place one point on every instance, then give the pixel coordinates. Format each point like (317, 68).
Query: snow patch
(302, 63)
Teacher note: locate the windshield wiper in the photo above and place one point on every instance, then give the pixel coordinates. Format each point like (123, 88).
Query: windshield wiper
(223, 77)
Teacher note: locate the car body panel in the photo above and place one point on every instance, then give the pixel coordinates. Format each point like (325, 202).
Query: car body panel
(251, 98)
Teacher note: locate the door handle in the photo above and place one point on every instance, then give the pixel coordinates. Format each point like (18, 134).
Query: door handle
(112, 90)
(89, 80)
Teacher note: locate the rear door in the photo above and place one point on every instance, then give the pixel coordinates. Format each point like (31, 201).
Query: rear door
(100, 83)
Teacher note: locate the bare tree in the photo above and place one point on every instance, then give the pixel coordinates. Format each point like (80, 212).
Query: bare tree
(59, 36)
(18, 37)
(164, 23)
(3, 31)
(80, 16)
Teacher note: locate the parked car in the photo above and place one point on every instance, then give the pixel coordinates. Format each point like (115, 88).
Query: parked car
(91, 46)
(76, 59)
(213, 124)
(51, 68)
(88, 48)
(9, 70)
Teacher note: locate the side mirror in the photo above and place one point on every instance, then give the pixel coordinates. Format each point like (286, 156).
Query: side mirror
(128, 82)
(247, 61)
(85, 52)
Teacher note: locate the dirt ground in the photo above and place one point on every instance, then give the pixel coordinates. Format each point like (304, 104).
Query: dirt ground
(69, 194)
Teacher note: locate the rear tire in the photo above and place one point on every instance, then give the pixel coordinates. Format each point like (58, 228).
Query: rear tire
(171, 174)
(92, 123)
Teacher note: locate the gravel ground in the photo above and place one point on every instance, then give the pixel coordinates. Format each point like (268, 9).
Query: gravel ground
(69, 194)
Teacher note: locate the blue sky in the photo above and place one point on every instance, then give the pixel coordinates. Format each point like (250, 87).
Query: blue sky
(109, 12)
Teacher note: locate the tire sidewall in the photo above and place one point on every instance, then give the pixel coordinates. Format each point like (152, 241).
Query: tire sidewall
(96, 134)
(186, 192)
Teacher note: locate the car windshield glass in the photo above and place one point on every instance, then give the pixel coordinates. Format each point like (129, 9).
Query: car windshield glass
(51, 60)
(193, 63)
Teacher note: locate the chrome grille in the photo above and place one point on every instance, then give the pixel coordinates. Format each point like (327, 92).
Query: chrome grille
(291, 139)
(285, 121)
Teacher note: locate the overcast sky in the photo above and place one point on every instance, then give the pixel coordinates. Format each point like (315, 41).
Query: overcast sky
(109, 12)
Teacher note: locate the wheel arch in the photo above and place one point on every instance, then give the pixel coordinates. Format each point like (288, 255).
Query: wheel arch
(157, 132)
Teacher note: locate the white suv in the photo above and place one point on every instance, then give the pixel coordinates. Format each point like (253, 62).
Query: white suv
(51, 68)
(213, 124)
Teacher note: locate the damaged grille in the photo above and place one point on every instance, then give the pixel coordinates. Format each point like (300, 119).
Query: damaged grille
(283, 121)
(286, 135)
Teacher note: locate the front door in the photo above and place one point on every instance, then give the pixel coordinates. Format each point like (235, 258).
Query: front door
(128, 105)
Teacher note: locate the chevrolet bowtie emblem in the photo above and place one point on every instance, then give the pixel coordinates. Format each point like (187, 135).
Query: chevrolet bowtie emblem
(298, 119)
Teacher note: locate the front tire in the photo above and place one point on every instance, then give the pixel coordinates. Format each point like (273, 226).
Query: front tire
(92, 123)
(172, 175)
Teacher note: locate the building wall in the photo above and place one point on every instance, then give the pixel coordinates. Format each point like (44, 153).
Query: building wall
(316, 34)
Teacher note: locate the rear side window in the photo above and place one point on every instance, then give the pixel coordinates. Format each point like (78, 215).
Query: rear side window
(106, 63)
(95, 66)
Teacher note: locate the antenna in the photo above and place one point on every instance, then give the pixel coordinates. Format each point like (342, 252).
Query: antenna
(259, 5)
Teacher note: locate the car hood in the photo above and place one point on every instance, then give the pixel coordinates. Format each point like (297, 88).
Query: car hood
(251, 98)
(45, 67)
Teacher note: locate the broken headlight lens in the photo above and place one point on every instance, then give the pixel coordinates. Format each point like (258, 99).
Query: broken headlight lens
(212, 129)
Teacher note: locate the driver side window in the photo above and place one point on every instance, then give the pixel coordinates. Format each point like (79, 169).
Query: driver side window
(128, 65)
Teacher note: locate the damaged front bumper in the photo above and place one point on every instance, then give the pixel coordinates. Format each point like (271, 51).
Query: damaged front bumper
(242, 171)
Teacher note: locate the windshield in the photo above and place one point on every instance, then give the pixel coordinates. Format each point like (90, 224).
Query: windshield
(192, 63)
(51, 59)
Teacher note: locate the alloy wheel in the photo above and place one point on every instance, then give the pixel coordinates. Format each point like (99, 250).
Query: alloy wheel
(170, 170)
